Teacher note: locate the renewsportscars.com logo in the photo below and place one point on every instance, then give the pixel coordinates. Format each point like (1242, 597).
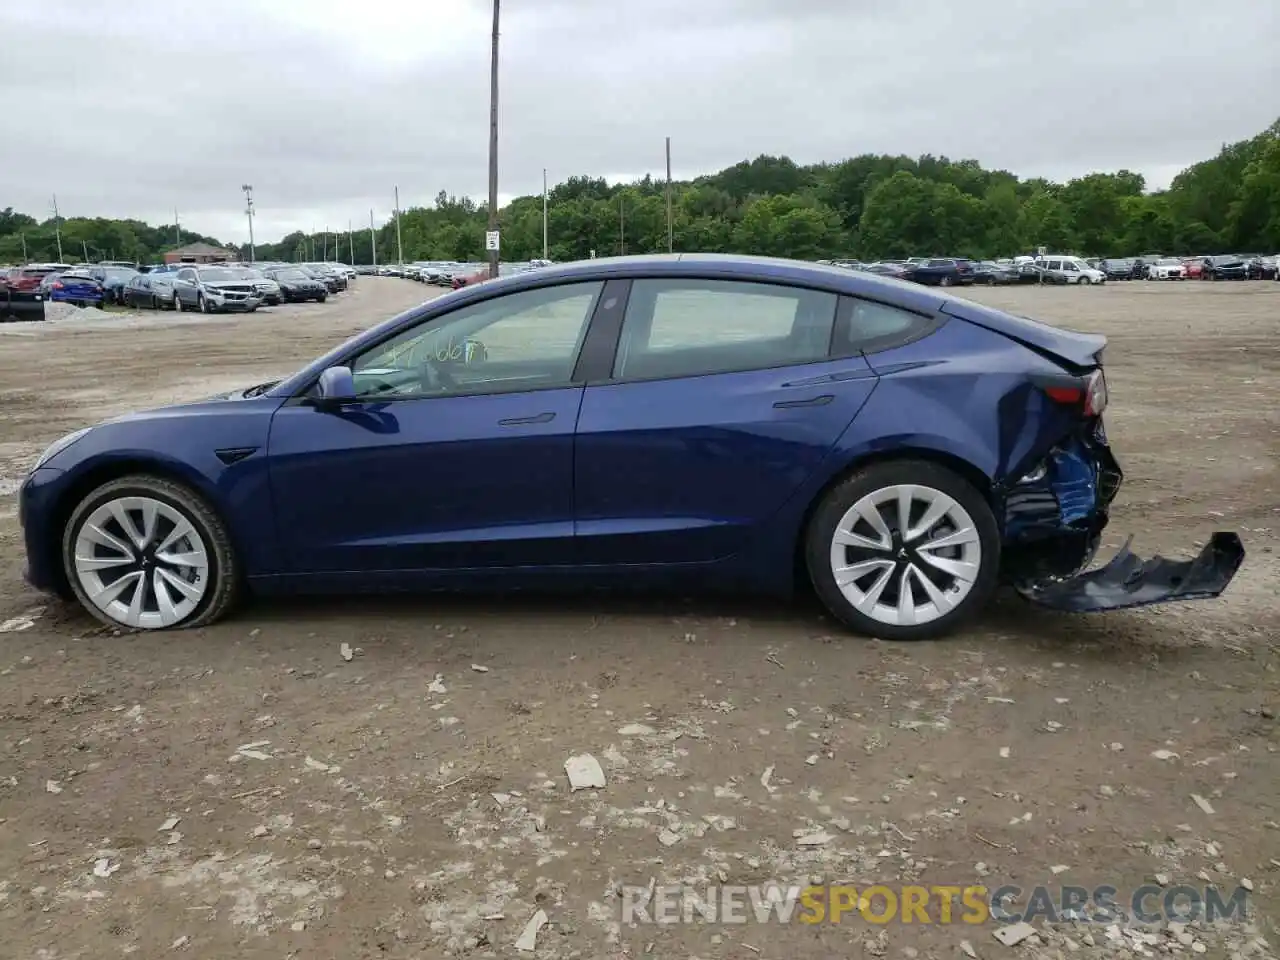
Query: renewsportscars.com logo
(936, 904)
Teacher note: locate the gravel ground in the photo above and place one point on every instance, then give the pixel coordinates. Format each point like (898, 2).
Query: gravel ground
(247, 791)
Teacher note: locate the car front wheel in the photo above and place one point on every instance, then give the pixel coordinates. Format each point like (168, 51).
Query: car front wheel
(144, 553)
(903, 550)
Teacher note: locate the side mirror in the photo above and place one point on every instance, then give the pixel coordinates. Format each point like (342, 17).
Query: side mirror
(336, 386)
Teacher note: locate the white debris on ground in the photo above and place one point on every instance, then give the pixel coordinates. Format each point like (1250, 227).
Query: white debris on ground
(56, 312)
(584, 773)
(527, 942)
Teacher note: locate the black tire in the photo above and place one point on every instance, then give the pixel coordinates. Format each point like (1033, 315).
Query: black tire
(224, 569)
(202, 304)
(322, 298)
(177, 303)
(877, 476)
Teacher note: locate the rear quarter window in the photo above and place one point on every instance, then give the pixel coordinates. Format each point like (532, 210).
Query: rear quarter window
(865, 326)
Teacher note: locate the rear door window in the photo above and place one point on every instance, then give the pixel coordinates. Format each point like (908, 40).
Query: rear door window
(687, 327)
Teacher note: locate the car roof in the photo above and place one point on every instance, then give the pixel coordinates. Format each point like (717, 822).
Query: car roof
(729, 267)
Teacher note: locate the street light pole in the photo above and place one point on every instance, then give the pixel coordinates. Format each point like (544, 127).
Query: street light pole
(622, 226)
(544, 213)
(493, 144)
(373, 242)
(669, 229)
(57, 227)
(248, 209)
(351, 244)
(399, 242)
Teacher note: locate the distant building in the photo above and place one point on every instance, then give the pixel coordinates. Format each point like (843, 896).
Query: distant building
(199, 253)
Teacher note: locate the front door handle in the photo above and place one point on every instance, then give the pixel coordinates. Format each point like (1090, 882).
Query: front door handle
(521, 421)
(819, 401)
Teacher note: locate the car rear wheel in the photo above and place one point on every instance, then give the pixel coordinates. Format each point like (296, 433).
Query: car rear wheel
(903, 550)
(944, 282)
(144, 553)
(202, 304)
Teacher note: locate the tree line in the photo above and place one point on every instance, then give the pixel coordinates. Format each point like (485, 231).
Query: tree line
(869, 206)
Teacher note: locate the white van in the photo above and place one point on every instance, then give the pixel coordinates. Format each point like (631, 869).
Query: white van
(1073, 269)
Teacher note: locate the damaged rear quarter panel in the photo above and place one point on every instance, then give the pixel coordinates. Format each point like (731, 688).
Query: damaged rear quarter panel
(964, 391)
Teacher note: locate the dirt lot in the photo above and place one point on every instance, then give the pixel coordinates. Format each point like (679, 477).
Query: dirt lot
(406, 804)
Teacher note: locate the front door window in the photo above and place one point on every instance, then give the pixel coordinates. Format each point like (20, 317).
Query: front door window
(522, 341)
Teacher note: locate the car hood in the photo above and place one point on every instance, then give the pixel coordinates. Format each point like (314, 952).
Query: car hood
(1067, 346)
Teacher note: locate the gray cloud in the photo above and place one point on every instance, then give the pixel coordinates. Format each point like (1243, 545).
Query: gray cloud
(325, 105)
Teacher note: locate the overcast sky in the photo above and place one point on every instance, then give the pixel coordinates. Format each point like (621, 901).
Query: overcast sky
(135, 107)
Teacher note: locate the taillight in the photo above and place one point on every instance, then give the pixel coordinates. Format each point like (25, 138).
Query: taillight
(57, 284)
(1088, 393)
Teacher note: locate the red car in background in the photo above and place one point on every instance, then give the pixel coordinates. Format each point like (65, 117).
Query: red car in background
(470, 279)
(27, 279)
(1192, 268)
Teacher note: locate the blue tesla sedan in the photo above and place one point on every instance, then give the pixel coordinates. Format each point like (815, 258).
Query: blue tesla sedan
(690, 420)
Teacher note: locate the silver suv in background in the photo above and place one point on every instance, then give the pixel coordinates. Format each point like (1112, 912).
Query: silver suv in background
(214, 289)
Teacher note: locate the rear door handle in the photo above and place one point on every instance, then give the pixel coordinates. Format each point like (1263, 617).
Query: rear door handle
(521, 421)
(819, 401)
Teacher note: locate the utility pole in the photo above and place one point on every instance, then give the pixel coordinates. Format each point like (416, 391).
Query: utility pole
(248, 209)
(57, 227)
(84, 248)
(324, 256)
(312, 240)
(373, 242)
(23, 234)
(351, 245)
(399, 244)
(544, 213)
(493, 150)
(622, 226)
(669, 227)
(177, 230)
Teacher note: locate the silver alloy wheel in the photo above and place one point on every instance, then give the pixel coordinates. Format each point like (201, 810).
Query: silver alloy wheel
(141, 562)
(905, 554)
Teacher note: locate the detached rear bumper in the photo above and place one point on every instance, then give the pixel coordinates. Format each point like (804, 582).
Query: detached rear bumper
(1129, 581)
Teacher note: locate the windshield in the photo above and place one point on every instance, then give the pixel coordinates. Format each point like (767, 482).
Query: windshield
(1169, 262)
(119, 273)
(218, 273)
(1226, 258)
(293, 274)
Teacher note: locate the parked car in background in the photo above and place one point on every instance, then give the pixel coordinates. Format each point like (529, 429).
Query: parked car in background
(880, 438)
(75, 286)
(461, 280)
(213, 289)
(941, 272)
(266, 289)
(1268, 268)
(327, 271)
(297, 285)
(993, 274)
(1031, 272)
(1166, 268)
(1117, 268)
(1192, 268)
(888, 268)
(1071, 269)
(332, 282)
(1227, 266)
(114, 279)
(151, 290)
(25, 281)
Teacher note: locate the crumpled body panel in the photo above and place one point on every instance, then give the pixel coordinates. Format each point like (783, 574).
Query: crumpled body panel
(1129, 581)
